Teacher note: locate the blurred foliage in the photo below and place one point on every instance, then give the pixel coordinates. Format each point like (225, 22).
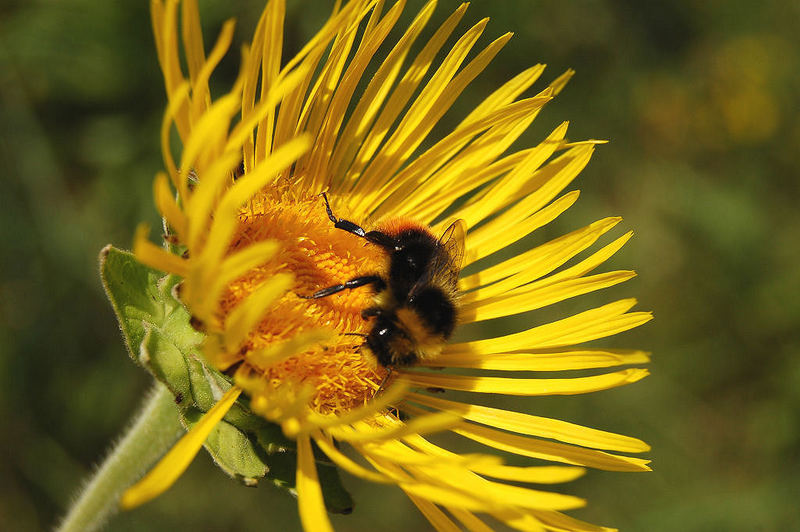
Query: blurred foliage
(700, 103)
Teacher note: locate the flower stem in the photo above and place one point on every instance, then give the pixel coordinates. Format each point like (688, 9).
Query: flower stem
(155, 428)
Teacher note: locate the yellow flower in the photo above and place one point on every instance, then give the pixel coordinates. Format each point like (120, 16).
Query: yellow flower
(244, 202)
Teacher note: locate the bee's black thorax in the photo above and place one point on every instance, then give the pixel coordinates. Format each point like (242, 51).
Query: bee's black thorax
(409, 261)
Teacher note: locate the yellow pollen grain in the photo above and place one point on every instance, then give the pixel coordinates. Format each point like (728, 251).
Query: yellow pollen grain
(318, 255)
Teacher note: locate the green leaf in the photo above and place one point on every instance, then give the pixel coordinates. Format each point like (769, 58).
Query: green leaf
(159, 337)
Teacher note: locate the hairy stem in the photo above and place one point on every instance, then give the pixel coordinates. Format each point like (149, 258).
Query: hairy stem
(154, 429)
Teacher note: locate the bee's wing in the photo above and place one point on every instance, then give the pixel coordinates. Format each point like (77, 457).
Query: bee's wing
(445, 265)
(452, 242)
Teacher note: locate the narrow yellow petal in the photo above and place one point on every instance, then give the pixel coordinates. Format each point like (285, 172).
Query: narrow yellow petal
(526, 387)
(468, 519)
(209, 131)
(201, 98)
(497, 493)
(244, 317)
(347, 464)
(165, 202)
(226, 216)
(561, 81)
(418, 425)
(434, 515)
(582, 327)
(552, 451)
(270, 56)
(157, 257)
(164, 19)
(204, 197)
(519, 520)
(538, 474)
(447, 497)
(279, 351)
(535, 474)
(542, 427)
(593, 261)
(539, 294)
(176, 100)
(231, 269)
(309, 493)
(334, 116)
(373, 97)
(526, 226)
(397, 191)
(403, 93)
(192, 37)
(508, 92)
(537, 262)
(543, 360)
(558, 521)
(175, 462)
(400, 454)
(534, 193)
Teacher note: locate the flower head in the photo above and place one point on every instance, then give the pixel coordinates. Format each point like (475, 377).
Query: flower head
(252, 239)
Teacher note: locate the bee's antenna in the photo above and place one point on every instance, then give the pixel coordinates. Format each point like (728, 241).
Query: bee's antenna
(362, 335)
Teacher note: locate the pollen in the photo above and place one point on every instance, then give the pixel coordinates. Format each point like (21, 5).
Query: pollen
(317, 255)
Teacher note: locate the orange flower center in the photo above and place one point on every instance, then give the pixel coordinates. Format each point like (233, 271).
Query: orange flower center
(319, 256)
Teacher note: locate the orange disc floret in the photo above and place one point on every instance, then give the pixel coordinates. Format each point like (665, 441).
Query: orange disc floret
(318, 255)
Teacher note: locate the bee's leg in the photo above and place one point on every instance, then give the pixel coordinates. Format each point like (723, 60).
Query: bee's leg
(349, 285)
(376, 237)
(384, 381)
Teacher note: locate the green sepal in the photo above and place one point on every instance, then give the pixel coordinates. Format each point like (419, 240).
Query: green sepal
(159, 337)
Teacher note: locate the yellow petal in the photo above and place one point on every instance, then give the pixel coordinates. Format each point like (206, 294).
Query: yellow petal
(373, 97)
(542, 360)
(401, 95)
(558, 521)
(157, 257)
(233, 267)
(347, 464)
(243, 318)
(165, 202)
(309, 493)
(468, 519)
(538, 474)
(539, 294)
(434, 515)
(192, 37)
(535, 263)
(526, 387)
(542, 427)
(589, 325)
(175, 462)
(418, 425)
(546, 450)
(201, 99)
(278, 351)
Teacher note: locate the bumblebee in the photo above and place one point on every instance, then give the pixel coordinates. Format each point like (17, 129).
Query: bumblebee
(416, 301)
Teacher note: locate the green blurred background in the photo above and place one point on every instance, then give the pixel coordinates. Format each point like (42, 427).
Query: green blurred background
(700, 101)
